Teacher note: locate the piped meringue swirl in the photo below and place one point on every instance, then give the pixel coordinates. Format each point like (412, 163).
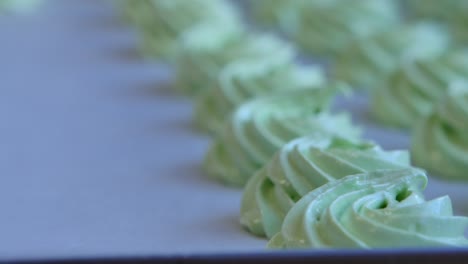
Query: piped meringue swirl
(258, 128)
(246, 79)
(411, 91)
(201, 59)
(301, 166)
(381, 209)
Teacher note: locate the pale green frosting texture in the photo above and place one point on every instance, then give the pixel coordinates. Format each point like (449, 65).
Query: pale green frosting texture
(326, 27)
(131, 9)
(381, 209)
(410, 92)
(453, 13)
(246, 79)
(367, 62)
(440, 140)
(257, 129)
(268, 12)
(161, 22)
(301, 166)
(201, 60)
(436, 9)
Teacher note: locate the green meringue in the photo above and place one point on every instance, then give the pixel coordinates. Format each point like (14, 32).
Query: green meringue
(440, 140)
(201, 59)
(381, 209)
(161, 22)
(257, 129)
(326, 27)
(453, 13)
(366, 62)
(435, 9)
(410, 92)
(268, 12)
(133, 11)
(246, 79)
(301, 166)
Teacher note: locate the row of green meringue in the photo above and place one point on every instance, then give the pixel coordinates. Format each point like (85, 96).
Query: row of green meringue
(250, 137)
(367, 41)
(382, 207)
(396, 211)
(328, 27)
(255, 103)
(203, 43)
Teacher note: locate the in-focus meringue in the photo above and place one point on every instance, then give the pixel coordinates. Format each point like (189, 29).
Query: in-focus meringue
(301, 166)
(383, 209)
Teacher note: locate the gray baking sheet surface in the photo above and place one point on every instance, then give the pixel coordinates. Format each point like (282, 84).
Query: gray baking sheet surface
(98, 157)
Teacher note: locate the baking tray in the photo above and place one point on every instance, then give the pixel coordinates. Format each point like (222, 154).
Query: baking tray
(100, 163)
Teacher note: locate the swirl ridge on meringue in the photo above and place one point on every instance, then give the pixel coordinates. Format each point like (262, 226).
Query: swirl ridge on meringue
(367, 61)
(201, 60)
(440, 140)
(267, 12)
(410, 92)
(246, 79)
(326, 27)
(452, 13)
(433, 9)
(161, 22)
(380, 209)
(299, 167)
(258, 128)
